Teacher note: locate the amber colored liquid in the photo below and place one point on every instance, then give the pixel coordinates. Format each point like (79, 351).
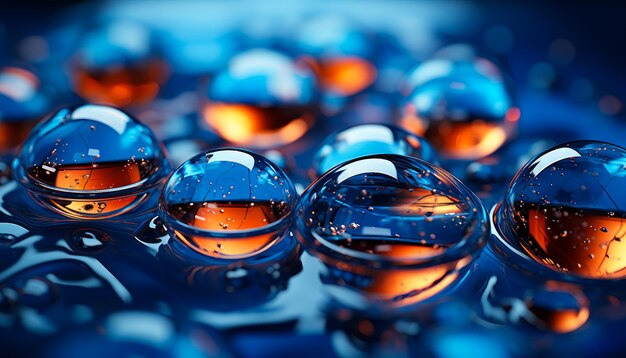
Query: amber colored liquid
(12, 134)
(561, 320)
(97, 176)
(345, 75)
(121, 86)
(564, 319)
(257, 126)
(585, 242)
(404, 286)
(228, 216)
(462, 139)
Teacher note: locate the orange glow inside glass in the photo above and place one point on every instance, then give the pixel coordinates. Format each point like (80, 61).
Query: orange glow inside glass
(121, 86)
(259, 127)
(590, 245)
(345, 75)
(412, 285)
(229, 216)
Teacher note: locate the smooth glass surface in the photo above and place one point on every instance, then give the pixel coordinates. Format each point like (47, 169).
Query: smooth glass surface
(228, 203)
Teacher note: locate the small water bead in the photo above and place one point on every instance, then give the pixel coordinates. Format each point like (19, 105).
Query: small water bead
(393, 227)
(566, 208)
(368, 139)
(462, 106)
(90, 162)
(263, 99)
(118, 64)
(22, 103)
(228, 203)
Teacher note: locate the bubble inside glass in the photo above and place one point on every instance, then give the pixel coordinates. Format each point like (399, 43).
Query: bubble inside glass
(566, 209)
(368, 139)
(263, 99)
(90, 162)
(228, 203)
(395, 228)
(462, 106)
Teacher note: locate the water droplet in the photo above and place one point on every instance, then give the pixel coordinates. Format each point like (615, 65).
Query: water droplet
(91, 175)
(232, 227)
(461, 105)
(383, 226)
(262, 99)
(589, 221)
(368, 139)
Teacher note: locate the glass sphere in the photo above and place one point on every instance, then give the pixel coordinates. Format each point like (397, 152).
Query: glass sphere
(395, 228)
(340, 52)
(118, 65)
(368, 139)
(90, 162)
(566, 209)
(22, 103)
(263, 99)
(463, 107)
(228, 203)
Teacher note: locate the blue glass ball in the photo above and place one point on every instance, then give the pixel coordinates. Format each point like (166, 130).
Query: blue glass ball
(396, 228)
(367, 139)
(228, 203)
(462, 106)
(566, 208)
(90, 162)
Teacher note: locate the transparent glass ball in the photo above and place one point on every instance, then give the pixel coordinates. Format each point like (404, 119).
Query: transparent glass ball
(119, 64)
(340, 51)
(367, 139)
(22, 103)
(395, 228)
(90, 162)
(228, 203)
(463, 107)
(262, 99)
(566, 209)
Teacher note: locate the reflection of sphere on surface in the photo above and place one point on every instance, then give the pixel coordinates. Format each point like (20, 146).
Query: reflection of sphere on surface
(559, 307)
(118, 65)
(90, 162)
(462, 107)
(228, 203)
(368, 139)
(566, 209)
(340, 53)
(262, 99)
(396, 228)
(21, 104)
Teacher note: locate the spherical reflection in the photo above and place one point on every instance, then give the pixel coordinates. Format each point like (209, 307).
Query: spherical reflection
(462, 107)
(118, 65)
(395, 228)
(90, 162)
(566, 209)
(340, 52)
(368, 139)
(263, 99)
(228, 203)
(21, 104)
(559, 307)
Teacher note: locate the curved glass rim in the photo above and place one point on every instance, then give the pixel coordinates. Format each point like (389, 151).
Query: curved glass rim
(470, 244)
